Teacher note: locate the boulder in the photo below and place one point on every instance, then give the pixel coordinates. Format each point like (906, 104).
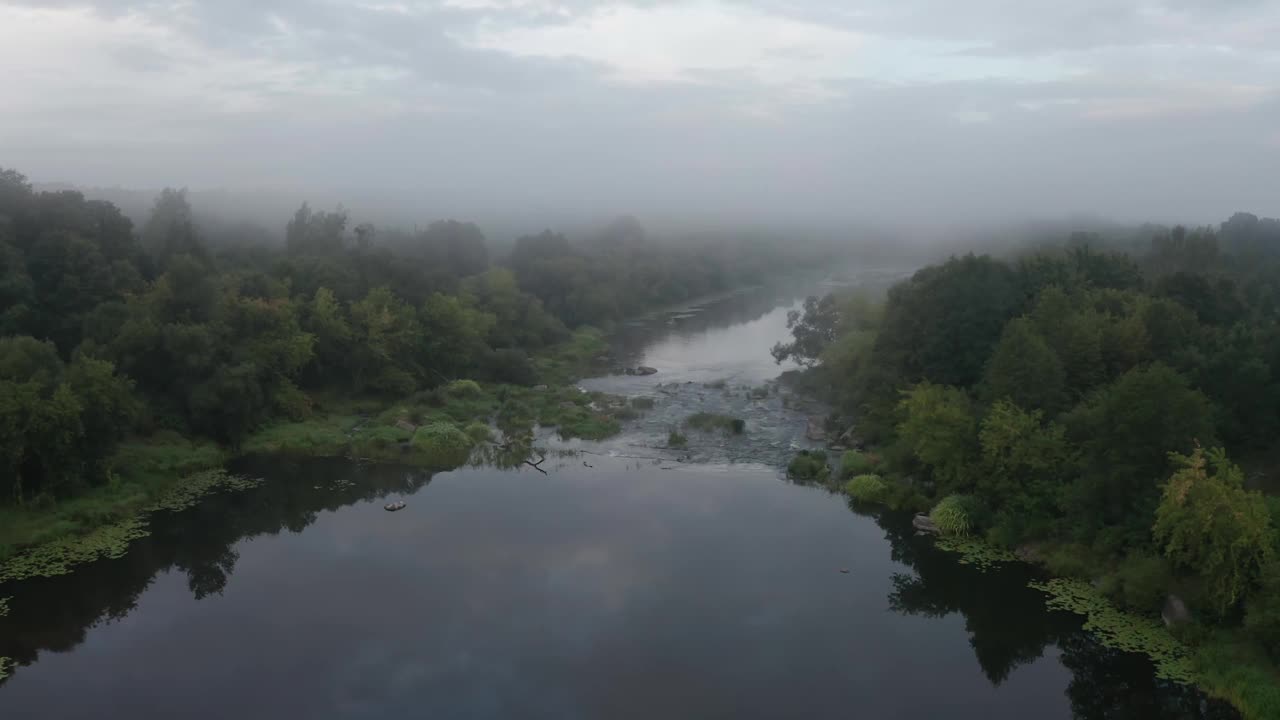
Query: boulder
(923, 524)
(630, 371)
(646, 370)
(814, 431)
(1175, 611)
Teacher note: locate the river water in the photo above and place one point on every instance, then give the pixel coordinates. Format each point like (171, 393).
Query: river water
(629, 581)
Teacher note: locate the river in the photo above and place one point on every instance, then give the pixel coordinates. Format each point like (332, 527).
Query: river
(629, 581)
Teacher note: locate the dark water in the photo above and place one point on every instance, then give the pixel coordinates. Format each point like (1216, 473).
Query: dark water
(635, 588)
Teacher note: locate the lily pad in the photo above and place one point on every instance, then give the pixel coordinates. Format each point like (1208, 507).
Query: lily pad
(1121, 630)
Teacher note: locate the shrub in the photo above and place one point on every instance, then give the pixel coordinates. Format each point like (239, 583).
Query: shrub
(478, 432)
(676, 440)
(854, 463)
(1141, 582)
(468, 389)
(442, 444)
(809, 465)
(954, 515)
(866, 488)
(738, 426)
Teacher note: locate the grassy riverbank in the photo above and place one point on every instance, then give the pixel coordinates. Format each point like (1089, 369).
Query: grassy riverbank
(436, 429)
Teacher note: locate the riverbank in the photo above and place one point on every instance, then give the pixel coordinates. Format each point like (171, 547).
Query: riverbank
(435, 429)
(1223, 663)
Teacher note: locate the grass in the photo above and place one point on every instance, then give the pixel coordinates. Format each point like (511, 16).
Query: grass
(866, 488)
(565, 363)
(325, 435)
(854, 463)
(952, 516)
(707, 422)
(109, 536)
(1229, 666)
(142, 471)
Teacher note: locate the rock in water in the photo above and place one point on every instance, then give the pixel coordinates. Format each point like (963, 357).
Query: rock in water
(646, 370)
(1175, 611)
(925, 525)
(814, 430)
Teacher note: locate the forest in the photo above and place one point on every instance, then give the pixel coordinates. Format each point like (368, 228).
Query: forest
(1110, 416)
(112, 334)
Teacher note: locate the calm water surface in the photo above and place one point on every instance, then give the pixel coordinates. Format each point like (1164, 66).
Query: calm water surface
(638, 587)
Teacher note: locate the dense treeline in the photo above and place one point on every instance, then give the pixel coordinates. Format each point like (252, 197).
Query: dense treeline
(106, 331)
(1081, 405)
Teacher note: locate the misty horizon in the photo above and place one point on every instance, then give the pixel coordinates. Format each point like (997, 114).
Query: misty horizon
(921, 113)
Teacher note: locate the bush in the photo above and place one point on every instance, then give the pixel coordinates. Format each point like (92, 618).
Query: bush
(954, 515)
(738, 426)
(676, 440)
(856, 463)
(866, 488)
(478, 432)
(1141, 582)
(809, 465)
(442, 445)
(466, 389)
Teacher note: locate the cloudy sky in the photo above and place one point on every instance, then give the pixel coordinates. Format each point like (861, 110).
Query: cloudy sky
(1160, 109)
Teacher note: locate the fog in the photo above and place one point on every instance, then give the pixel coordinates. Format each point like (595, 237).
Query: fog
(526, 113)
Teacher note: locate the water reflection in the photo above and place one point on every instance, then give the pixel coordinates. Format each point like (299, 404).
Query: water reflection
(619, 591)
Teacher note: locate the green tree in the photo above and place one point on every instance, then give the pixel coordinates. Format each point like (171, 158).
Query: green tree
(811, 331)
(1025, 370)
(386, 335)
(1126, 431)
(939, 429)
(1207, 522)
(1025, 466)
(326, 321)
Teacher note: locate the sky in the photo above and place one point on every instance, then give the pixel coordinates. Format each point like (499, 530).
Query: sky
(1165, 110)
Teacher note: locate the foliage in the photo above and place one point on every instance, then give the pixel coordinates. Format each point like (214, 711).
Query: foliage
(854, 462)
(1125, 432)
(812, 331)
(1121, 630)
(938, 426)
(954, 515)
(809, 465)
(442, 445)
(676, 440)
(1262, 611)
(1024, 467)
(866, 488)
(1024, 370)
(980, 555)
(1140, 583)
(1209, 523)
(1229, 665)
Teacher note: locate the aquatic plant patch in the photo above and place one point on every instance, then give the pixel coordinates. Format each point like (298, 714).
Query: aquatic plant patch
(1121, 630)
(975, 553)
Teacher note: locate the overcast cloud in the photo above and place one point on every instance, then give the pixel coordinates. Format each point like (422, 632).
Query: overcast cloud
(1164, 110)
